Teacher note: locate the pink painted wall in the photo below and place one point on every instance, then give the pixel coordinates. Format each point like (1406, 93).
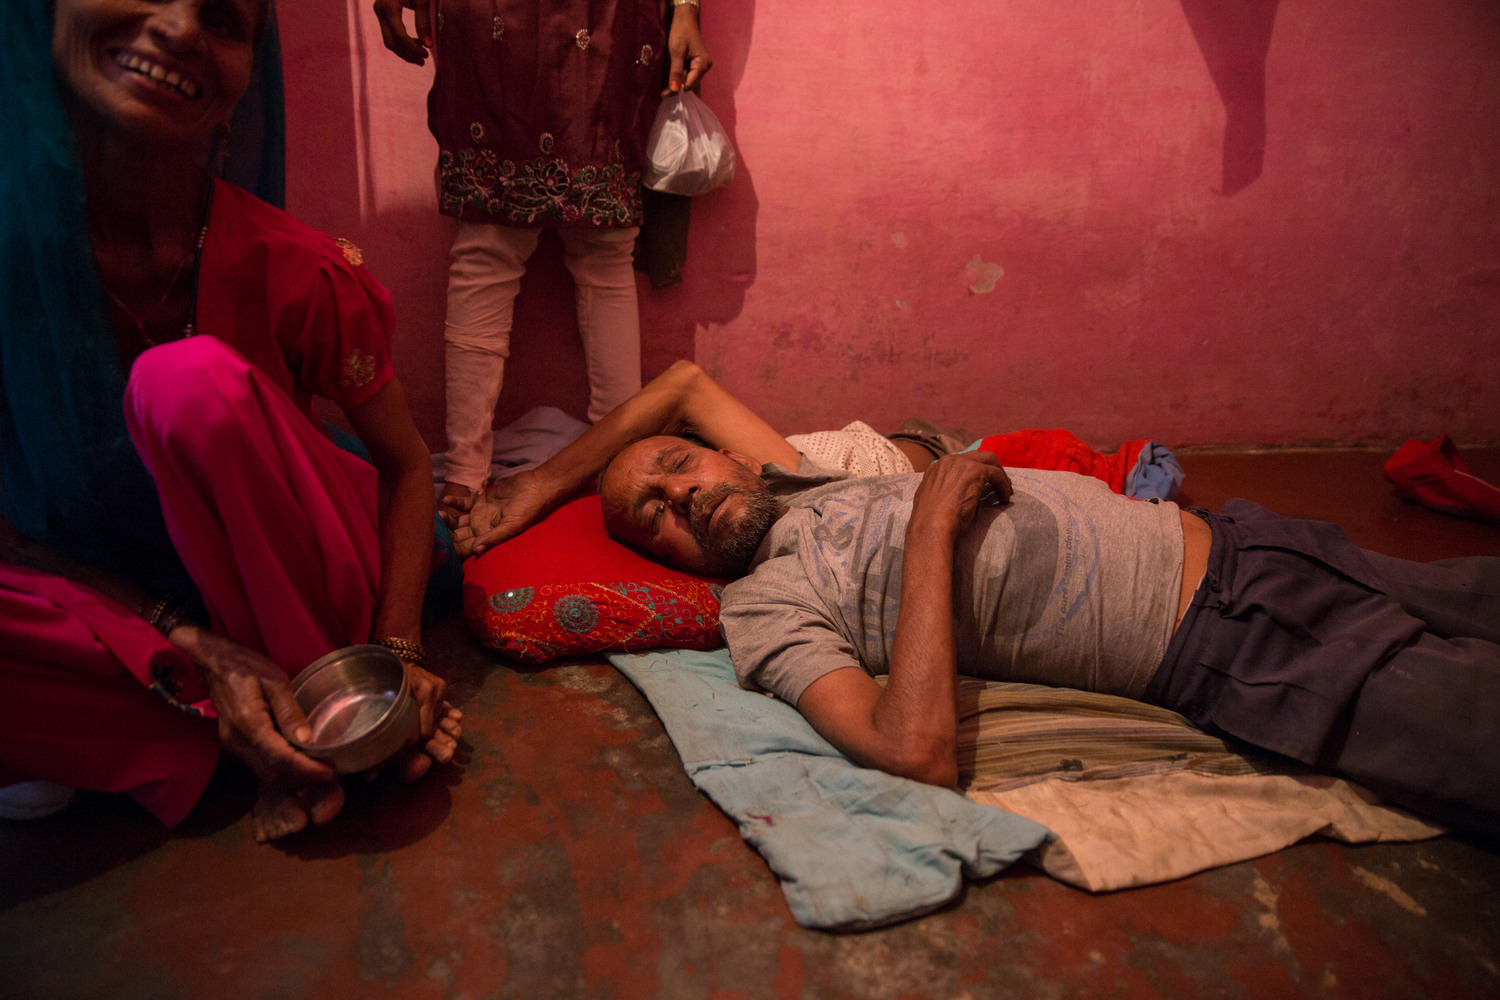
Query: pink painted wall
(1203, 221)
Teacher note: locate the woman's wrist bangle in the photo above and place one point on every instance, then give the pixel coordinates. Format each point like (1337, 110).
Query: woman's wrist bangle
(685, 3)
(164, 614)
(410, 651)
(172, 619)
(152, 608)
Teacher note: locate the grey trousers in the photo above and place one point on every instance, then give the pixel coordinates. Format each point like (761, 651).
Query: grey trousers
(1383, 670)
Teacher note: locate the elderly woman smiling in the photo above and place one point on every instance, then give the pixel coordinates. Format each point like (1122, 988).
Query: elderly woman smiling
(179, 536)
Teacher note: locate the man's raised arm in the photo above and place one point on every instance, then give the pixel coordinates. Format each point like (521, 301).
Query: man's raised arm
(681, 400)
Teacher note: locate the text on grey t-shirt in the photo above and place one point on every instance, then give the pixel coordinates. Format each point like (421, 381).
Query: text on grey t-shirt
(1068, 585)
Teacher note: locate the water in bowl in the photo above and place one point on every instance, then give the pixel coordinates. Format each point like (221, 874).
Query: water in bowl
(348, 714)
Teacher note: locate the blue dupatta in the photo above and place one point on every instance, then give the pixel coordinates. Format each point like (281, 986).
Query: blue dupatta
(69, 476)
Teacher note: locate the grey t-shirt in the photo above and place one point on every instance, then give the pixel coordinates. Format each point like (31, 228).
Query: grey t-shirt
(1068, 584)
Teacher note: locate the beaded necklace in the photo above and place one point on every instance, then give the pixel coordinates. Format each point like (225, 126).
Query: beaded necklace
(196, 257)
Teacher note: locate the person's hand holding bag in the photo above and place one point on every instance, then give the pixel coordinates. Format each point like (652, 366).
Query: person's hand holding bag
(687, 152)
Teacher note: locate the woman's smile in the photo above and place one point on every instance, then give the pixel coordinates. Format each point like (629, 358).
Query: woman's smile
(167, 71)
(156, 73)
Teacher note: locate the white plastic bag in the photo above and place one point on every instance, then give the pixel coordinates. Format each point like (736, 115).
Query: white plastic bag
(687, 151)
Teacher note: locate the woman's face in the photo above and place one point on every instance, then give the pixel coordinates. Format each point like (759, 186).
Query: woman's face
(166, 70)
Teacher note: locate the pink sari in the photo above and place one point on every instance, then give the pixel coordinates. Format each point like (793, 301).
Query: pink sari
(276, 524)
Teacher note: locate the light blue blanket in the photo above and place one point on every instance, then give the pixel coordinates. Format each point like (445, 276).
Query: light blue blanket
(853, 848)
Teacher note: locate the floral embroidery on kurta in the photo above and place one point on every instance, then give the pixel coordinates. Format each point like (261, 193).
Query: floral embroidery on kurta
(351, 252)
(536, 191)
(358, 369)
(562, 91)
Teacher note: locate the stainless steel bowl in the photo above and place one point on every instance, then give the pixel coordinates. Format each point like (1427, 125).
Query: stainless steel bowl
(358, 705)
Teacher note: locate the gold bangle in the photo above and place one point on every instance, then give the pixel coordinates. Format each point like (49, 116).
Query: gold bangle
(173, 619)
(685, 3)
(405, 648)
(164, 614)
(153, 611)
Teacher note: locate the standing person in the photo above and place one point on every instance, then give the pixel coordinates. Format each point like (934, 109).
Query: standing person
(541, 113)
(178, 535)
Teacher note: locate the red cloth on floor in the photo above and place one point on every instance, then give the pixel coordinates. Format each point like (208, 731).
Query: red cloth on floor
(1433, 474)
(1063, 451)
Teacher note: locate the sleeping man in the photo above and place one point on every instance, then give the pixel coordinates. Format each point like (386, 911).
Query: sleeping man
(1278, 632)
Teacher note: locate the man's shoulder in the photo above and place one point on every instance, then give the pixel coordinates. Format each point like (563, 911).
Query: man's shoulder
(774, 567)
(784, 482)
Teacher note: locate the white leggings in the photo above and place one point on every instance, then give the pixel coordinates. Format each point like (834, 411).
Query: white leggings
(483, 279)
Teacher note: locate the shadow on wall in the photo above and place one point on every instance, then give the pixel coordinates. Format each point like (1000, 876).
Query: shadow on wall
(1234, 39)
(339, 139)
(721, 261)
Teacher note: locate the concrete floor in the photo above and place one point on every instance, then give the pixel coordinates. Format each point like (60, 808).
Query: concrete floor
(567, 855)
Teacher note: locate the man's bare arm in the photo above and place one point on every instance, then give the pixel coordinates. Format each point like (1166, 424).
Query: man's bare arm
(910, 727)
(681, 400)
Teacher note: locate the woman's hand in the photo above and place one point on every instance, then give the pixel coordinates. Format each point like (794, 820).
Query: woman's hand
(256, 707)
(503, 511)
(690, 58)
(257, 711)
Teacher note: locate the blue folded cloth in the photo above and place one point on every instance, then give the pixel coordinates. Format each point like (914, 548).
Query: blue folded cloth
(854, 848)
(1157, 473)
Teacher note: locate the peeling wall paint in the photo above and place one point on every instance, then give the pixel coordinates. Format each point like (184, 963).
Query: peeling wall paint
(1251, 223)
(984, 275)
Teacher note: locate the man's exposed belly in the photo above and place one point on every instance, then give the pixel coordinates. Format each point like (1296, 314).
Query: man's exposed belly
(1196, 539)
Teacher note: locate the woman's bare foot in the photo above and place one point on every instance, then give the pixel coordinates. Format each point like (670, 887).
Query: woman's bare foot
(454, 503)
(281, 811)
(438, 750)
(413, 766)
(457, 491)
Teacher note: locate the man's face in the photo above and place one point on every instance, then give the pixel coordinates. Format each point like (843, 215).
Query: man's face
(703, 510)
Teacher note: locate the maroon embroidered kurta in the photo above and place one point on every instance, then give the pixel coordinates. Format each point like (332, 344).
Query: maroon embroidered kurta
(541, 110)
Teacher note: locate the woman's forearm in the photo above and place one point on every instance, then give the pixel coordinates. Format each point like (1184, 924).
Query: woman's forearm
(406, 524)
(383, 422)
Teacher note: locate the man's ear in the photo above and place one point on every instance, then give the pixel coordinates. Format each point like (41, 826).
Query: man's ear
(745, 460)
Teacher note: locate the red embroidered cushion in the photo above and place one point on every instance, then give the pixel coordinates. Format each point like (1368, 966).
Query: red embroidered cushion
(564, 586)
